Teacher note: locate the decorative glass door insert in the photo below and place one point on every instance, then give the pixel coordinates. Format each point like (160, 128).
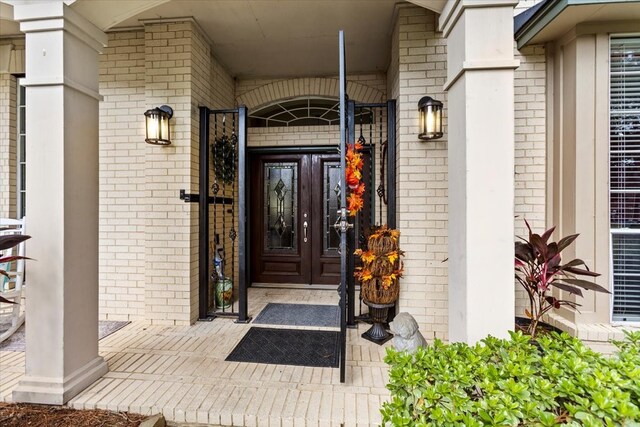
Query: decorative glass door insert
(281, 196)
(332, 190)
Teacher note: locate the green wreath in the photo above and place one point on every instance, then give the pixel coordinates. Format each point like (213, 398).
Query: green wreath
(223, 154)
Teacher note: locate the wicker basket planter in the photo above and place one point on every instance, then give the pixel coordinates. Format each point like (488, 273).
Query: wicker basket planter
(378, 276)
(373, 291)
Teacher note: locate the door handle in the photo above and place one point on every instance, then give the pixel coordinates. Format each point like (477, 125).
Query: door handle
(304, 231)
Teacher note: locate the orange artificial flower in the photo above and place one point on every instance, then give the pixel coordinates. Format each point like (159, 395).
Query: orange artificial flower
(386, 281)
(353, 178)
(360, 189)
(355, 203)
(355, 161)
(350, 154)
(367, 256)
(365, 275)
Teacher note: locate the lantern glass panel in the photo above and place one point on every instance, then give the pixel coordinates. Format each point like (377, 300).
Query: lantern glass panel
(430, 117)
(157, 127)
(163, 128)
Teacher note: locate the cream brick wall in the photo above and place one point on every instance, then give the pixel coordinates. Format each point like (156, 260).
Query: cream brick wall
(122, 178)
(422, 171)
(148, 236)
(298, 136)
(530, 148)
(170, 267)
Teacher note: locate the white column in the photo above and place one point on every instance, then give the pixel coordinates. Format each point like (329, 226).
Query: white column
(62, 203)
(480, 69)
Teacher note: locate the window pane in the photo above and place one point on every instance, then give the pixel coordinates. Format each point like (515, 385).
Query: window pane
(23, 151)
(281, 200)
(296, 112)
(22, 126)
(626, 277)
(624, 138)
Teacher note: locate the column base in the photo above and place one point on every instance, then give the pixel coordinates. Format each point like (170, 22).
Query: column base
(52, 391)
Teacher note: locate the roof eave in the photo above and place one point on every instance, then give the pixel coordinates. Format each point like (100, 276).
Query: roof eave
(546, 14)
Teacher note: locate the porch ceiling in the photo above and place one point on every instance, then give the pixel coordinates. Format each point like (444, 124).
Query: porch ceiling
(265, 38)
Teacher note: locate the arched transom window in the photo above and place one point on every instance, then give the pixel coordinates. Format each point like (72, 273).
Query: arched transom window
(307, 111)
(297, 112)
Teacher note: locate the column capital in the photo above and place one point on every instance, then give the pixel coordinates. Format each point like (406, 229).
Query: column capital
(479, 37)
(56, 15)
(454, 9)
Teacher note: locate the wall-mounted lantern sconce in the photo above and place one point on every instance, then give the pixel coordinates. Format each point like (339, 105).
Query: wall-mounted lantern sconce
(430, 111)
(157, 123)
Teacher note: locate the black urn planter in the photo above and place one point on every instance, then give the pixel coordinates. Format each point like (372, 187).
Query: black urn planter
(378, 314)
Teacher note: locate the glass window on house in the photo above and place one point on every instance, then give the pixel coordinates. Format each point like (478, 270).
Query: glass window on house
(624, 188)
(22, 156)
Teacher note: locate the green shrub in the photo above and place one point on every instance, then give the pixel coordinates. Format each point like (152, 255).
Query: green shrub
(513, 383)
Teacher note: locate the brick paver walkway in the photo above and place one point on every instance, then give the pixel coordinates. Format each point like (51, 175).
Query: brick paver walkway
(180, 371)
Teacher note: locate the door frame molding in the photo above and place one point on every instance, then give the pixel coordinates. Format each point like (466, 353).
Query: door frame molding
(252, 152)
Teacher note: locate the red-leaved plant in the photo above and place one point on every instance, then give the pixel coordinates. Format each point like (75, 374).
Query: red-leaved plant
(7, 242)
(539, 267)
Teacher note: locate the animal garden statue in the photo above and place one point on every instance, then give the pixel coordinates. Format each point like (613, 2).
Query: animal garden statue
(406, 334)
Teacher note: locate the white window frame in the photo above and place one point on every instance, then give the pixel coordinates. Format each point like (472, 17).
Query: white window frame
(21, 192)
(612, 231)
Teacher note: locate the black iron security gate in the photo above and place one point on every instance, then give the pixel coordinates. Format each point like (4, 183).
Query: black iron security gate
(375, 128)
(372, 125)
(222, 214)
(343, 225)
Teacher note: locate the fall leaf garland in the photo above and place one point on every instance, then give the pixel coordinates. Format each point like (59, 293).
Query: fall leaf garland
(355, 163)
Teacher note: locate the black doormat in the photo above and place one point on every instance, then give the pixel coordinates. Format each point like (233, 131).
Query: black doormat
(299, 315)
(288, 347)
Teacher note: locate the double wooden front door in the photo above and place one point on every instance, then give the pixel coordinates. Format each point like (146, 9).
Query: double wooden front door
(295, 200)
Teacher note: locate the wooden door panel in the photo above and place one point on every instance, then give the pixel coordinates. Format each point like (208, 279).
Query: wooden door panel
(280, 191)
(326, 189)
(281, 267)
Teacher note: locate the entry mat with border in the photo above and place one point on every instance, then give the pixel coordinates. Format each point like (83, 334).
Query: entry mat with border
(298, 347)
(299, 315)
(16, 342)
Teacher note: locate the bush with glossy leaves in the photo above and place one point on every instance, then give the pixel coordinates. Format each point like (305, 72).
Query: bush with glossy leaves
(514, 383)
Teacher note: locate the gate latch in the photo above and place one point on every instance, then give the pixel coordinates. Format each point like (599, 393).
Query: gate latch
(342, 225)
(195, 198)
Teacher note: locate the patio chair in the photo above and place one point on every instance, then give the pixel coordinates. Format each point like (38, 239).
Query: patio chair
(12, 315)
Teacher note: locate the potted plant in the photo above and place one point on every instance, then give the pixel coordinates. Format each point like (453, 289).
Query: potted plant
(378, 276)
(539, 268)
